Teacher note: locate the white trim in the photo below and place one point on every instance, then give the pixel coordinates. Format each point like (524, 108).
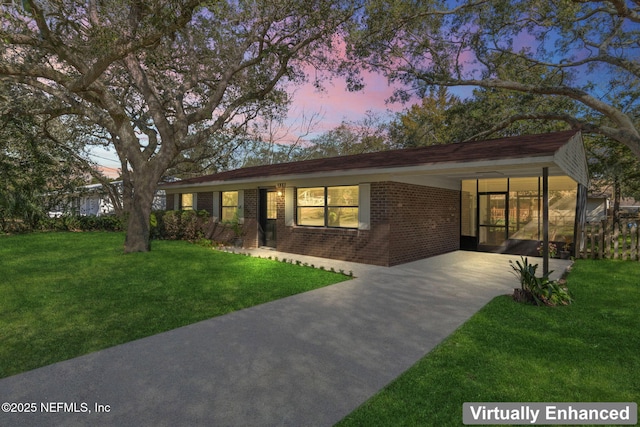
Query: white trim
(364, 207)
(240, 206)
(446, 171)
(289, 207)
(216, 206)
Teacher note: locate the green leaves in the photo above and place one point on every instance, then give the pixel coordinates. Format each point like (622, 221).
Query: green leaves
(540, 290)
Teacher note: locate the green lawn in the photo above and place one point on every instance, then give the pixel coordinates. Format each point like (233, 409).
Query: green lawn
(507, 352)
(67, 294)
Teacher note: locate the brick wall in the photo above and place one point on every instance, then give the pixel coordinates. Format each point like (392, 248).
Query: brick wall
(205, 202)
(170, 199)
(250, 227)
(408, 222)
(425, 222)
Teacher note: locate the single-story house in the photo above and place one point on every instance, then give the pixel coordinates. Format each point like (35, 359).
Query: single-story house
(392, 207)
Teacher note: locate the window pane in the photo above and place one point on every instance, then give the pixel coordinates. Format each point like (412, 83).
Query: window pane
(310, 196)
(187, 202)
(311, 216)
(343, 217)
(230, 198)
(492, 185)
(229, 213)
(272, 205)
(342, 196)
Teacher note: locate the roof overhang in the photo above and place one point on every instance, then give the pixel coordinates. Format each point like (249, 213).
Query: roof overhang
(453, 172)
(566, 158)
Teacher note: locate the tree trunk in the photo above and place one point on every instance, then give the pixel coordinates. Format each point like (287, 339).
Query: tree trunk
(138, 228)
(616, 202)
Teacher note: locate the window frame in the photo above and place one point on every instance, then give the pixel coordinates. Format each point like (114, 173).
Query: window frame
(327, 207)
(191, 207)
(236, 214)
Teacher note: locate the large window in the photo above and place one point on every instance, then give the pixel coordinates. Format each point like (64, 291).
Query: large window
(229, 205)
(328, 206)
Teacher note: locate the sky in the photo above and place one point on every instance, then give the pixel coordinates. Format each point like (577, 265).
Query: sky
(333, 105)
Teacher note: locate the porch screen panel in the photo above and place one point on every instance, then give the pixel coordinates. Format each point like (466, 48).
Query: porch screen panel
(563, 193)
(525, 208)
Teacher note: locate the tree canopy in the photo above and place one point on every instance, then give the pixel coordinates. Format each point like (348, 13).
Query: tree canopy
(159, 78)
(583, 52)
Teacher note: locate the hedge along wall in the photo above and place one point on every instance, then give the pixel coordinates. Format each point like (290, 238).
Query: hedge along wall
(192, 226)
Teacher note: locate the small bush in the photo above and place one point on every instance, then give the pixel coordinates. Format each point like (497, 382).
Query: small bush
(538, 290)
(82, 223)
(179, 225)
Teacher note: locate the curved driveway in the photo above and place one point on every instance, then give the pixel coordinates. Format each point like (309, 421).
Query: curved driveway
(306, 360)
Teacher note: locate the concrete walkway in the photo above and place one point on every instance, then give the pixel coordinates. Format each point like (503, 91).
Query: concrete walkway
(306, 360)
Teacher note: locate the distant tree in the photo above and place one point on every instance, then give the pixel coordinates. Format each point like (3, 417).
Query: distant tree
(427, 123)
(35, 171)
(614, 170)
(160, 78)
(442, 118)
(585, 52)
(276, 140)
(366, 135)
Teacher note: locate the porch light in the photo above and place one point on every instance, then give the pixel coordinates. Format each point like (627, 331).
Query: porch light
(280, 188)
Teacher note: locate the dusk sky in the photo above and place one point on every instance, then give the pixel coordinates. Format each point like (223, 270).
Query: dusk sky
(334, 104)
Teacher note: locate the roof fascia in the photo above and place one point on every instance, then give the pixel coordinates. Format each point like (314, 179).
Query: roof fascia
(424, 169)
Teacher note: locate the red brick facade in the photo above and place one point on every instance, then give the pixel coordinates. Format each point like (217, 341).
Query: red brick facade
(407, 222)
(425, 221)
(204, 201)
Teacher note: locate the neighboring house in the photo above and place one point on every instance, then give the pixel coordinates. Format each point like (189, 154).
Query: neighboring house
(597, 207)
(393, 207)
(629, 208)
(600, 207)
(93, 200)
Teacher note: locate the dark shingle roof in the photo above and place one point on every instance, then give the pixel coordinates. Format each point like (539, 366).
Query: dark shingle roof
(494, 149)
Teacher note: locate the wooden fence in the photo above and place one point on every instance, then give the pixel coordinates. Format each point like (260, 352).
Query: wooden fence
(603, 240)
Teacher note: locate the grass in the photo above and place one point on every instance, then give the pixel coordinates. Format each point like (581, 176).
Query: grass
(508, 352)
(67, 294)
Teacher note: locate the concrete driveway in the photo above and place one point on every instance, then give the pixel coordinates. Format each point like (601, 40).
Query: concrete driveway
(306, 360)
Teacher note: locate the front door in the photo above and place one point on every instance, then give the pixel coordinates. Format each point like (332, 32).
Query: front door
(492, 219)
(268, 217)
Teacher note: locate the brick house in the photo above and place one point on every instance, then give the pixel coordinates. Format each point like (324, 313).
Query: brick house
(392, 207)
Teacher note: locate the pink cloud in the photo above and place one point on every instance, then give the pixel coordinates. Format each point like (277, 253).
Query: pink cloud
(336, 104)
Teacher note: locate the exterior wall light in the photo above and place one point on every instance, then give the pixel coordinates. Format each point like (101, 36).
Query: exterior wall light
(280, 189)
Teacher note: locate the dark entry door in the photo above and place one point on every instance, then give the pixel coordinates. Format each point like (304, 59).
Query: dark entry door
(268, 217)
(493, 218)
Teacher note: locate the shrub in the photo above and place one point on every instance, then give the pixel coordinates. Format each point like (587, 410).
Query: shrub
(192, 224)
(171, 222)
(538, 290)
(179, 225)
(81, 223)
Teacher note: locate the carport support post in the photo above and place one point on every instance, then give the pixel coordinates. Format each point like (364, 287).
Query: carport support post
(545, 221)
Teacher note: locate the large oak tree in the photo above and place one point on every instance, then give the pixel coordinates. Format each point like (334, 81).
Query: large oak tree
(586, 52)
(162, 77)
